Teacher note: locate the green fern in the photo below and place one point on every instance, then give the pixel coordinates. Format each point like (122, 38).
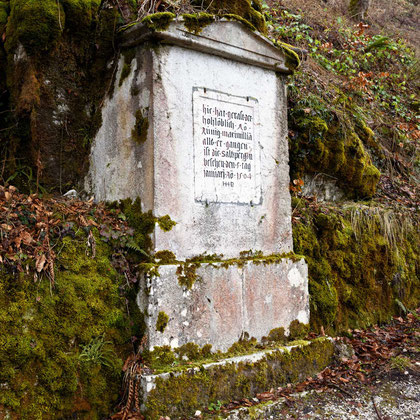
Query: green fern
(134, 247)
(379, 43)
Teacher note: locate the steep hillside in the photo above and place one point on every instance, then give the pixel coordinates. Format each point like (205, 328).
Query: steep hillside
(354, 135)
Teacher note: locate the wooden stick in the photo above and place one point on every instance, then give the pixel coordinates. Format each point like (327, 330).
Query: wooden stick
(376, 409)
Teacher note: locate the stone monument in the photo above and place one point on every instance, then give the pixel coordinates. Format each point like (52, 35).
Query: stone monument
(197, 128)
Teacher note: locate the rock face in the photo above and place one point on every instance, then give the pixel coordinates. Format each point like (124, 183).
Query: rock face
(197, 128)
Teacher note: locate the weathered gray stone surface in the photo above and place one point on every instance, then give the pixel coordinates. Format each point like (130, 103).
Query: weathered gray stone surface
(161, 171)
(215, 158)
(225, 302)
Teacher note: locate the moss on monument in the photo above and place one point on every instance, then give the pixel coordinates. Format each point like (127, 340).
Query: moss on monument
(165, 257)
(162, 321)
(292, 58)
(187, 274)
(250, 11)
(143, 223)
(230, 16)
(37, 25)
(196, 22)
(141, 127)
(187, 270)
(165, 223)
(158, 21)
(182, 393)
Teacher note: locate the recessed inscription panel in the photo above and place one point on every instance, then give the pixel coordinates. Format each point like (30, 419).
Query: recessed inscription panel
(226, 154)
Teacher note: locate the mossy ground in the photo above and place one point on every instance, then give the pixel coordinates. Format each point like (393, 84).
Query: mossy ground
(45, 330)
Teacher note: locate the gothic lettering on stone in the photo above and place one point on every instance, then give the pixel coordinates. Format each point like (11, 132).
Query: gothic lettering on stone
(226, 156)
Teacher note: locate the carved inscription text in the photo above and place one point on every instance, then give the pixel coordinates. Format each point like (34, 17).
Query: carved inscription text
(226, 159)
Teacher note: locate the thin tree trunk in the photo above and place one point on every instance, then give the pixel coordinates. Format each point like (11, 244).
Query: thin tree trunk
(358, 9)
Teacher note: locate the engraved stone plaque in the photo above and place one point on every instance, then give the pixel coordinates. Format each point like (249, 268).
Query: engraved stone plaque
(226, 148)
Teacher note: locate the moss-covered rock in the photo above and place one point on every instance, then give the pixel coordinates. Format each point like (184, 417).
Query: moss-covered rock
(57, 55)
(357, 267)
(37, 25)
(327, 141)
(162, 321)
(4, 14)
(61, 346)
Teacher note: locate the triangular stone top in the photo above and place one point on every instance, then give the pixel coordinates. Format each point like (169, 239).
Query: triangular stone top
(225, 38)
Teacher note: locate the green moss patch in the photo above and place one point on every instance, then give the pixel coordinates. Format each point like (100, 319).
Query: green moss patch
(129, 55)
(141, 127)
(326, 140)
(61, 348)
(36, 24)
(196, 22)
(243, 9)
(357, 266)
(181, 394)
(158, 21)
(162, 322)
(4, 14)
(187, 270)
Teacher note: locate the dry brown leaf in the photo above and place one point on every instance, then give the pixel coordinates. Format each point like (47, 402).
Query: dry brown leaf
(40, 262)
(26, 238)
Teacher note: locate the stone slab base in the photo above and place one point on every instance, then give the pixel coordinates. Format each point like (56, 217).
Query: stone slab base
(180, 394)
(224, 302)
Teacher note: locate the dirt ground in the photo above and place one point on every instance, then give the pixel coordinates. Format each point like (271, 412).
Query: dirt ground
(376, 376)
(395, 395)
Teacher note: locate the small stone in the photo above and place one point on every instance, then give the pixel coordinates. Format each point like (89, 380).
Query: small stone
(70, 194)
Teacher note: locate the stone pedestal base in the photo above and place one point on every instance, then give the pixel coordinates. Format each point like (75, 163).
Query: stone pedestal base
(225, 301)
(180, 393)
